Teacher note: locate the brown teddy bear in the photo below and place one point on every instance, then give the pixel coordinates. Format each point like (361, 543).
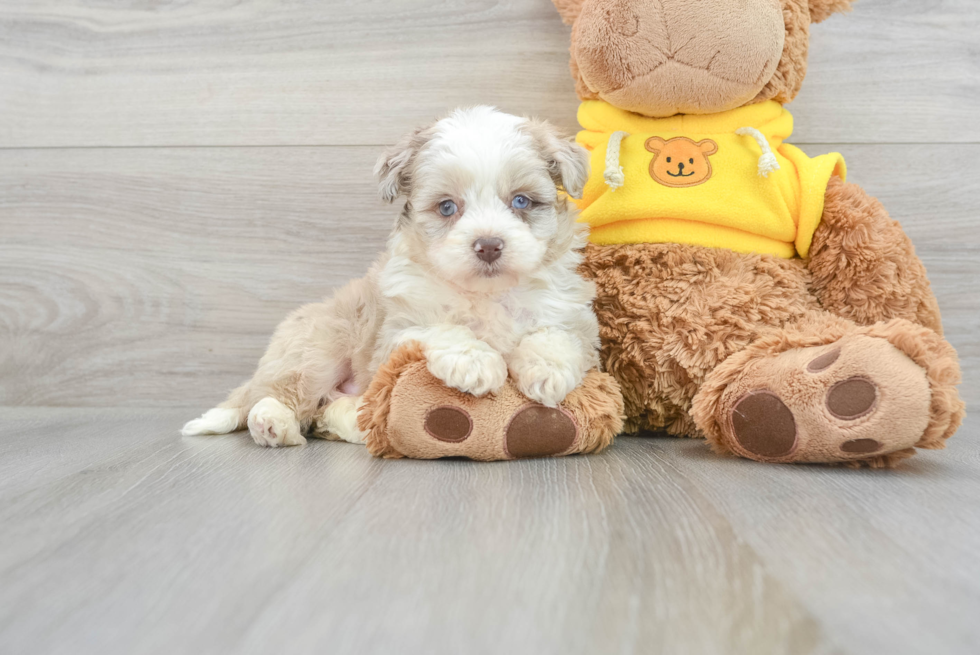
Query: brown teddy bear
(746, 292)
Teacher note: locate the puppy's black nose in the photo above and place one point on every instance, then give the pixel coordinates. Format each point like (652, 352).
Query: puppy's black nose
(489, 250)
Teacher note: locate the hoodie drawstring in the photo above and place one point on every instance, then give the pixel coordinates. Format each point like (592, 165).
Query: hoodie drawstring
(767, 162)
(613, 174)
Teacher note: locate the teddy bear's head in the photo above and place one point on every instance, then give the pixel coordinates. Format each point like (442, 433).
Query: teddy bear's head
(664, 57)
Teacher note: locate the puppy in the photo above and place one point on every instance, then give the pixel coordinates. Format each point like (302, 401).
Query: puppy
(480, 269)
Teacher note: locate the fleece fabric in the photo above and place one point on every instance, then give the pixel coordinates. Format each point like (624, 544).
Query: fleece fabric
(691, 179)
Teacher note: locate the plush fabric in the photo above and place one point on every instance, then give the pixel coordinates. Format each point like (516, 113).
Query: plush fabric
(671, 315)
(409, 413)
(782, 86)
(778, 312)
(912, 370)
(728, 203)
(667, 57)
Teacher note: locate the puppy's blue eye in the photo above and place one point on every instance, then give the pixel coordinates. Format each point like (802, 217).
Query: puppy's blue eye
(520, 202)
(447, 208)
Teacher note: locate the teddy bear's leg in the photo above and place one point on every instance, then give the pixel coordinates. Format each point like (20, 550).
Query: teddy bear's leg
(827, 390)
(864, 266)
(407, 412)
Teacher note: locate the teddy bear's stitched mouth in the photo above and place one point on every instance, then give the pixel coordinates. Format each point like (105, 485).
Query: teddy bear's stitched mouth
(680, 174)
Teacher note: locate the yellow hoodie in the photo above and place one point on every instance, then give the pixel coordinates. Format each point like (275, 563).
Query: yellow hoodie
(703, 180)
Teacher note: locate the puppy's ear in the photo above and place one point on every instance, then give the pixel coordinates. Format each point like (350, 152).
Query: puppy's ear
(568, 9)
(394, 166)
(568, 162)
(822, 9)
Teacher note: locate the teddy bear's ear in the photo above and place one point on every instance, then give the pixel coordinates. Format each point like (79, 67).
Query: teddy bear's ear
(568, 9)
(655, 144)
(822, 9)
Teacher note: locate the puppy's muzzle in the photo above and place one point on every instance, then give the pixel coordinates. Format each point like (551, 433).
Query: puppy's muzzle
(489, 249)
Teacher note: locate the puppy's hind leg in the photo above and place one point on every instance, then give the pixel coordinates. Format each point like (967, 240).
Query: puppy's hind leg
(270, 421)
(338, 421)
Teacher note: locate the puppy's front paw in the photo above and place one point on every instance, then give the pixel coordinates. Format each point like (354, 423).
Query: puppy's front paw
(273, 424)
(545, 382)
(473, 367)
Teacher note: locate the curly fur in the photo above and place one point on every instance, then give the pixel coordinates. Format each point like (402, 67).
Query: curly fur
(864, 266)
(597, 404)
(670, 314)
(821, 10)
(376, 408)
(788, 78)
(677, 321)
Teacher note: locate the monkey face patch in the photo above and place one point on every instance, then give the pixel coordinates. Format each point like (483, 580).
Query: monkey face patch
(680, 162)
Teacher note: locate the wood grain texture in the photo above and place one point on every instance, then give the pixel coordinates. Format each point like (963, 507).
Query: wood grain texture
(140, 267)
(154, 277)
(122, 537)
(255, 72)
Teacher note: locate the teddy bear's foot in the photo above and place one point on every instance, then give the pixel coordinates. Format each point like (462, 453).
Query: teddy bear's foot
(849, 400)
(859, 398)
(407, 412)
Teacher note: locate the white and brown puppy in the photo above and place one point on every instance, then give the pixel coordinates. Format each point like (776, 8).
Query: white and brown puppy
(480, 269)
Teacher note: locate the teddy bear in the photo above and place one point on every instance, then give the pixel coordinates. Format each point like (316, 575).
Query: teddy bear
(747, 293)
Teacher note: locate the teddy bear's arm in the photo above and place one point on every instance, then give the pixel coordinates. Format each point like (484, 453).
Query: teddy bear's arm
(863, 264)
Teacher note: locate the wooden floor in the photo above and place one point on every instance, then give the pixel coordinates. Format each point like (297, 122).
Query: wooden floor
(176, 176)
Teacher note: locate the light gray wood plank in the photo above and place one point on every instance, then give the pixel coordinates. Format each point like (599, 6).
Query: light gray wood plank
(863, 548)
(154, 277)
(215, 545)
(322, 546)
(138, 276)
(82, 73)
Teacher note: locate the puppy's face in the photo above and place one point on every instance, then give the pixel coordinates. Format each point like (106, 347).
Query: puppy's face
(484, 207)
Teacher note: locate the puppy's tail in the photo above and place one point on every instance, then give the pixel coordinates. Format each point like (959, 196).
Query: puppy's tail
(229, 416)
(220, 420)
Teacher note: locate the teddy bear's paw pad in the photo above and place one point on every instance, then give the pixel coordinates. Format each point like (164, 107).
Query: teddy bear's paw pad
(846, 401)
(861, 446)
(449, 424)
(851, 399)
(764, 425)
(538, 431)
(824, 361)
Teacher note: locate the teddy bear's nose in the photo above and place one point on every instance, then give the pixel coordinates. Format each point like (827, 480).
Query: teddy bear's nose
(680, 166)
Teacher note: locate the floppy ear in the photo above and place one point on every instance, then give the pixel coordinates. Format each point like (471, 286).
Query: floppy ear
(568, 9)
(822, 9)
(394, 166)
(655, 144)
(708, 147)
(568, 162)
